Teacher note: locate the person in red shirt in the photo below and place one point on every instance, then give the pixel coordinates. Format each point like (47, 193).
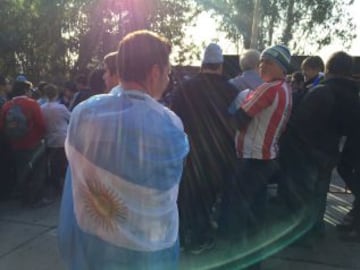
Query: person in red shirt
(29, 151)
(261, 119)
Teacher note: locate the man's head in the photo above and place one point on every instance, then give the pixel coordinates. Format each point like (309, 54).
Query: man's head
(274, 63)
(340, 64)
(143, 58)
(81, 82)
(110, 76)
(51, 91)
(213, 59)
(20, 88)
(69, 89)
(311, 67)
(96, 82)
(41, 87)
(297, 81)
(250, 60)
(22, 78)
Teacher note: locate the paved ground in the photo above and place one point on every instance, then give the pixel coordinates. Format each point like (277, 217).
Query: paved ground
(28, 241)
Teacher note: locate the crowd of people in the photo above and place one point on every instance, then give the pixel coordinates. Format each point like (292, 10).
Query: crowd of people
(139, 179)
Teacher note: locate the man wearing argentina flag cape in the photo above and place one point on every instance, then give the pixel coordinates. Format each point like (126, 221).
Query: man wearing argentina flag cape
(125, 155)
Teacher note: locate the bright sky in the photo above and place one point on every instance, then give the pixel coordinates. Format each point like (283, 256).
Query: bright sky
(355, 48)
(205, 31)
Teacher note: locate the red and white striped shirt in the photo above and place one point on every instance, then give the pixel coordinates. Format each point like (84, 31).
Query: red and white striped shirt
(269, 106)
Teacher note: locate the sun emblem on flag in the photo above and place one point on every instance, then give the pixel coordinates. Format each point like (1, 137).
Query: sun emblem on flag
(103, 205)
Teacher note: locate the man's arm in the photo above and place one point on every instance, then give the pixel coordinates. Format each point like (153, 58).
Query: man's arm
(260, 99)
(241, 118)
(38, 118)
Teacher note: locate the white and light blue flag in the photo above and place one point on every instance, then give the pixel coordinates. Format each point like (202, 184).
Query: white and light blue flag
(125, 157)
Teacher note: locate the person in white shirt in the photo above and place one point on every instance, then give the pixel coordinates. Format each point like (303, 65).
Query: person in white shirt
(56, 118)
(250, 77)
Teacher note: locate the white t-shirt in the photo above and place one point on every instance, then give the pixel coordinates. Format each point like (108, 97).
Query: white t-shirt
(56, 118)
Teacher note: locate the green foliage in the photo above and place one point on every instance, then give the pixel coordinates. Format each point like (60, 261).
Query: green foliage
(60, 38)
(31, 38)
(301, 24)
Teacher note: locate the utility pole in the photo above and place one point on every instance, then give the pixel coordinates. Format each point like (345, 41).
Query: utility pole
(255, 25)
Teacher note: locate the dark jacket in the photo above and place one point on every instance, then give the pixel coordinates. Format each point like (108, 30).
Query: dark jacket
(299, 95)
(325, 114)
(202, 103)
(79, 97)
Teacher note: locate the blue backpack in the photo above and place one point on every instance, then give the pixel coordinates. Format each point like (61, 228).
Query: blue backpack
(16, 123)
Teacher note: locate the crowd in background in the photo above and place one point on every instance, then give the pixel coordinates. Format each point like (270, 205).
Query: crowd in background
(262, 126)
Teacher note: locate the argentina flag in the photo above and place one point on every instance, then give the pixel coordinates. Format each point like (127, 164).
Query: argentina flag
(119, 208)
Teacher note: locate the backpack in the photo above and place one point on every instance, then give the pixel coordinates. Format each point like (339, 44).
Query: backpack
(16, 122)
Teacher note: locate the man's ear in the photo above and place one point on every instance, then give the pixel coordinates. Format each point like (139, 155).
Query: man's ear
(153, 76)
(155, 71)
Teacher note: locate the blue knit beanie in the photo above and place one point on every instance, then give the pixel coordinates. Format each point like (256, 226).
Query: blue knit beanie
(280, 54)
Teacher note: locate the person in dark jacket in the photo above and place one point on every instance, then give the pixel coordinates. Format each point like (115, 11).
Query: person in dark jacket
(349, 170)
(83, 92)
(310, 149)
(202, 104)
(313, 71)
(96, 82)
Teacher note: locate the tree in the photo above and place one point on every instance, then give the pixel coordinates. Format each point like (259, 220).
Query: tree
(301, 24)
(45, 38)
(31, 38)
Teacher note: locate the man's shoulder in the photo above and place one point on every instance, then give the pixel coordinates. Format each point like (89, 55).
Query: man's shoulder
(270, 86)
(23, 101)
(320, 91)
(196, 80)
(187, 88)
(173, 118)
(217, 80)
(54, 106)
(95, 103)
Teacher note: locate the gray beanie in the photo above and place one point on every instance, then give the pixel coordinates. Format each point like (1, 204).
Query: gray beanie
(280, 54)
(213, 54)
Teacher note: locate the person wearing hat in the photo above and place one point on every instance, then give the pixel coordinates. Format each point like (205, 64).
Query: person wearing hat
(22, 78)
(310, 150)
(202, 103)
(261, 118)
